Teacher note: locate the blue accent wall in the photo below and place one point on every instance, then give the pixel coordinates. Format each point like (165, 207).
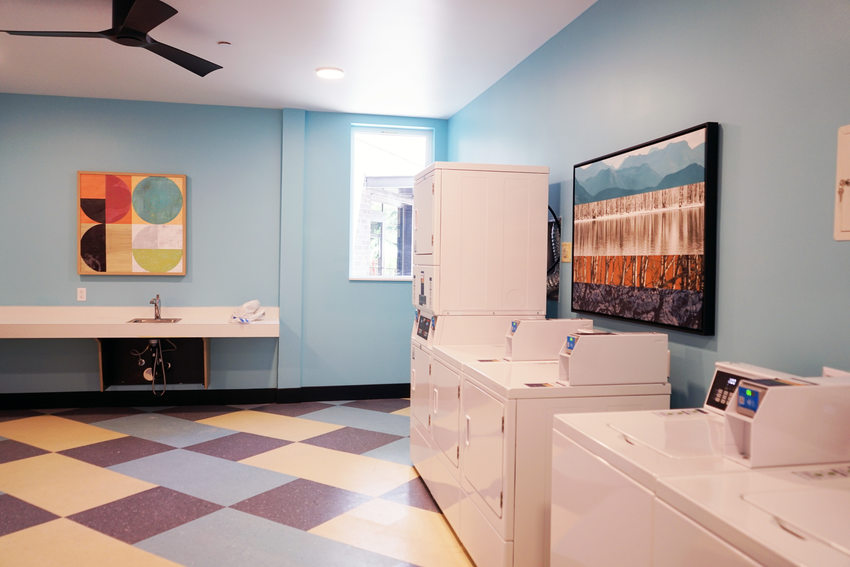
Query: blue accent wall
(354, 332)
(776, 75)
(267, 219)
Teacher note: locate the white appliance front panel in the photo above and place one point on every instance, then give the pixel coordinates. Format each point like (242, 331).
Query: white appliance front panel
(445, 387)
(483, 447)
(426, 217)
(599, 515)
(420, 385)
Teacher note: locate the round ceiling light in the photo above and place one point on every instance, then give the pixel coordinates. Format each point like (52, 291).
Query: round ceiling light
(329, 73)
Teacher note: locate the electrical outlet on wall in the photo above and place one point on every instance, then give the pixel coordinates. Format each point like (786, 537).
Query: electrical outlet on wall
(566, 252)
(81, 294)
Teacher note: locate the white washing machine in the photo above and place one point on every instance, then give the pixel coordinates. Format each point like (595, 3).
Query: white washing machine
(606, 469)
(778, 516)
(786, 508)
(504, 464)
(440, 347)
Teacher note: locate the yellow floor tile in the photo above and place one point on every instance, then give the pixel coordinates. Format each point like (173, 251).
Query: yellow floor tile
(66, 543)
(65, 486)
(53, 433)
(403, 532)
(271, 425)
(403, 411)
(357, 473)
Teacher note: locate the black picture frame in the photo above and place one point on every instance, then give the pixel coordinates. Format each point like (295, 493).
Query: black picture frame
(645, 231)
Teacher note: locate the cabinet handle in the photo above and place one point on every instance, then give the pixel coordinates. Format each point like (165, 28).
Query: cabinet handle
(436, 400)
(468, 427)
(412, 379)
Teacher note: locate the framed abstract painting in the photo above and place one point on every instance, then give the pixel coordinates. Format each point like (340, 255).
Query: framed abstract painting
(131, 224)
(644, 232)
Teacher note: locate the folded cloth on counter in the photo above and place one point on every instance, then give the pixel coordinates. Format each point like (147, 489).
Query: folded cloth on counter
(249, 311)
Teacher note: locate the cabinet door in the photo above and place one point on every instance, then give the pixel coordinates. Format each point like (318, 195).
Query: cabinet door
(483, 451)
(420, 405)
(424, 211)
(445, 384)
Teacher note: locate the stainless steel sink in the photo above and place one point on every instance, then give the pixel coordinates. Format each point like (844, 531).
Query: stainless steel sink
(153, 320)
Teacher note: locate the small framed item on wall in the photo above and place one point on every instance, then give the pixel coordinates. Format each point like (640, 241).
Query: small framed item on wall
(131, 224)
(644, 232)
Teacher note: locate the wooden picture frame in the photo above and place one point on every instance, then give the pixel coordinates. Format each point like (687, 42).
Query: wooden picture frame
(644, 232)
(131, 224)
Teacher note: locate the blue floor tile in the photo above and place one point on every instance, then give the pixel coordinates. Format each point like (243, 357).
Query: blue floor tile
(396, 452)
(255, 541)
(363, 419)
(164, 429)
(210, 478)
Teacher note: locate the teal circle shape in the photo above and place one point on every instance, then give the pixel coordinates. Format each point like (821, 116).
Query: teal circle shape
(157, 200)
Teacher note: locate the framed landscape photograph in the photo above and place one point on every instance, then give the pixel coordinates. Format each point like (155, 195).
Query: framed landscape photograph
(644, 232)
(131, 224)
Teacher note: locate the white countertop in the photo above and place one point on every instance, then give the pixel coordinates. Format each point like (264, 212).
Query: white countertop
(60, 322)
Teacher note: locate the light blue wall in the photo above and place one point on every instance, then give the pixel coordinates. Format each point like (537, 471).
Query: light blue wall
(354, 332)
(231, 157)
(267, 219)
(776, 75)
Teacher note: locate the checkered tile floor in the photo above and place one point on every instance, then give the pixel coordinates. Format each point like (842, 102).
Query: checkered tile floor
(294, 485)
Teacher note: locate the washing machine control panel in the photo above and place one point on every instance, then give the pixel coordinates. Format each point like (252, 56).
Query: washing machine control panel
(722, 389)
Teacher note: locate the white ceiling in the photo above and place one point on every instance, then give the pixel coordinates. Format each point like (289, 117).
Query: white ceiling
(401, 57)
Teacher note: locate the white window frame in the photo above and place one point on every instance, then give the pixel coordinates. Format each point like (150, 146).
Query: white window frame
(355, 191)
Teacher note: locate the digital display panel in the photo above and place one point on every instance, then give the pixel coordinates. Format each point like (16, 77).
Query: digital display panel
(571, 342)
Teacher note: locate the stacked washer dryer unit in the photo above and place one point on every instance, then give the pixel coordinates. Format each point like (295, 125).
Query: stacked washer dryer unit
(481, 425)
(671, 488)
(479, 237)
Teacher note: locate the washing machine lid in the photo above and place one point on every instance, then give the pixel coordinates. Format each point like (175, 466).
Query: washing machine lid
(677, 434)
(646, 445)
(778, 516)
(458, 355)
(822, 514)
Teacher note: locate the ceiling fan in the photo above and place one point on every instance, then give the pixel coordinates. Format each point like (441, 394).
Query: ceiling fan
(131, 22)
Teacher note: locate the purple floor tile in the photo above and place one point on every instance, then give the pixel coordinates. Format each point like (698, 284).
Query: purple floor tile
(352, 440)
(14, 451)
(17, 515)
(237, 446)
(92, 415)
(116, 451)
(413, 493)
(9, 415)
(195, 413)
(294, 410)
(145, 515)
(386, 406)
(302, 503)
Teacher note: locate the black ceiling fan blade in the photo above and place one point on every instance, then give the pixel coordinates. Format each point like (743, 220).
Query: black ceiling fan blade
(145, 15)
(193, 63)
(58, 33)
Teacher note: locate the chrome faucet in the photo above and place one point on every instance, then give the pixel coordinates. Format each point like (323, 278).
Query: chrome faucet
(156, 307)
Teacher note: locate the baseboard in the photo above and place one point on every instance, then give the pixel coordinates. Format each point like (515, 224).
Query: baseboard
(178, 397)
(336, 393)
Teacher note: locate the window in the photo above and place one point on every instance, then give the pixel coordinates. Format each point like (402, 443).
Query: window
(384, 161)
